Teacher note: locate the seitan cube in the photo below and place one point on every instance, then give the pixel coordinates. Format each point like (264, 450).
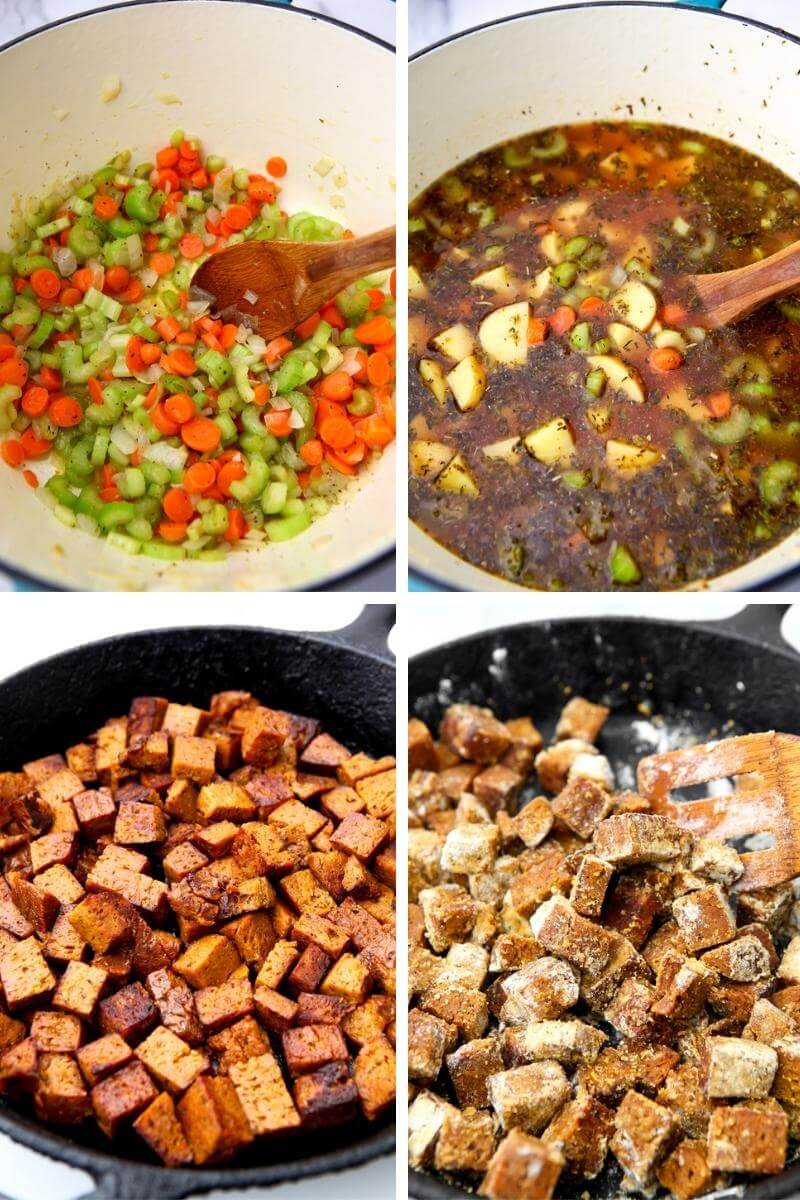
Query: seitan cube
(308, 972)
(24, 974)
(685, 1172)
(474, 733)
(224, 1003)
(278, 964)
(348, 978)
(682, 1092)
(101, 921)
(120, 1097)
(715, 860)
(310, 1047)
(589, 885)
(130, 1012)
(429, 1037)
(95, 811)
(497, 787)
(421, 750)
(628, 838)
(425, 1117)
(449, 913)
(744, 960)
(238, 1043)
(522, 1168)
(465, 1143)
(533, 822)
(276, 1011)
(469, 1067)
(208, 961)
(644, 1134)
(264, 1096)
(581, 805)
(744, 1138)
(581, 718)
(738, 1068)
(60, 1094)
(470, 849)
(767, 1023)
(158, 1125)
(528, 1097)
(328, 1096)
(580, 1132)
(540, 990)
(52, 849)
(554, 764)
(170, 1060)
(563, 1041)
(193, 758)
(467, 1009)
(102, 1057)
(56, 1033)
(139, 824)
(224, 801)
(563, 931)
(704, 918)
(374, 1074)
(263, 733)
(213, 1119)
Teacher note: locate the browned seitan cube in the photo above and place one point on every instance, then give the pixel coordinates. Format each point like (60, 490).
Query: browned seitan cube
(469, 1067)
(213, 1119)
(528, 1097)
(24, 974)
(580, 1132)
(325, 1097)
(474, 733)
(685, 1172)
(745, 1138)
(170, 1060)
(60, 1094)
(465, 1143)
(522, 1168)
(56, 1033)
(563, 1041)
(705, 918)
(590, 884)
(645, 1132)
(581, 805)
(264, 1096)
(159, 1126)
(497, 787)
(628, 838)
(223, 1004)
(120, 1097)
(208, 961)
(130, 1012)
(102, 1057)
(580, 718)
(554, 764)
(310, 1047)
(563, 931)
(101, 921)
(374, 1074)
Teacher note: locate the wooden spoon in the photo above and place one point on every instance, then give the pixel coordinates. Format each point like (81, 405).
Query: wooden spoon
(727, 296)
(273, 286)
(766, 772)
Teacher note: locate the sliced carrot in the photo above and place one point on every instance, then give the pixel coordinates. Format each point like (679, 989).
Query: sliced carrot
(191, 245)
(34, 446)
(537, 331)
(180, 408)
(261, 394)
(70, 296)
(163, 422)
(179, 362)
(12, 452)
(261, 189)
(162, 262)
(673, 314)
(171, 531)
(276, 349)
(117, 279)
(168, 328)
(719, 405)
(311, 452)
(228, 336)
(201, 434)
(35, 401)
(133, 292)
(278, 422)
(178, 506)
(276, 166)
(110, 493)
(379, 369)
(30, 479)
(375, 331)
(237, 217)
(199, 477)
(51, 379)
(149, 353)
(82, 279)
(337, 432)
(45, 283)
(167, 157)
(562, 320)
(592, 306)
(65, 412)
(337, 386)
(376, 431)
(338, 463)
(237, 525)
(14, 372)
(306, 328)
(376, 298)
(666, 358)
(133, 359)
(331, 314)
(354, 454)
(95, 391)
(228, 474)
(106, 207)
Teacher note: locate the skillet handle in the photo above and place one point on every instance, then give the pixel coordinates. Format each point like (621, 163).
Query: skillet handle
(762, 622)
(369, 631)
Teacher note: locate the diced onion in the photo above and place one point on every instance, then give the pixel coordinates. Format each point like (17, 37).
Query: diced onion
(223, 186)
(198, 308)
(207, 238)
(279, 404)
(249, 296)
(123, 440)
(86, 523)
(135, 251)
(256, 344)
(350, 363)
(149, 320)
(147, 276)
(65, 260)
(295, 420)
(618, 275)
(171, 457)
(150, 374)
(98, 273)
(243, 333)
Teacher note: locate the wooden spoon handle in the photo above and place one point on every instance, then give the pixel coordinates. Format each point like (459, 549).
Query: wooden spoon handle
(339, 263)
(730, 295)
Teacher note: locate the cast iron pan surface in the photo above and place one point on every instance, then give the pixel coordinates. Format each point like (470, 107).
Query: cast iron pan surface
(667, 684)
(347, 681)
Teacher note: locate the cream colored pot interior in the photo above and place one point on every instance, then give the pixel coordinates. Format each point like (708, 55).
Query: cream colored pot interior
(684, 67)
(250, 81)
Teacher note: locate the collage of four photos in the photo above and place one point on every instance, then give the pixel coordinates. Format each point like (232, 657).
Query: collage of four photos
(399, 444)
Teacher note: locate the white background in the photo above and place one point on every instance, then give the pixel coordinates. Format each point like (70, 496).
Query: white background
(36, 625)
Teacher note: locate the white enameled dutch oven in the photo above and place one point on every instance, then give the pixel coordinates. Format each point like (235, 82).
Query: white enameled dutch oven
(718, 74)
(249, 79)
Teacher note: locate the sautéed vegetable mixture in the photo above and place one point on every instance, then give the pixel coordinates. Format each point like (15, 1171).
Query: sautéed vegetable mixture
(572, 424)
(155, 425)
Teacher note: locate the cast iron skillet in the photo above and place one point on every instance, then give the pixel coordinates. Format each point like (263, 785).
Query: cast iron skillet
(697, 677)
(347, 680)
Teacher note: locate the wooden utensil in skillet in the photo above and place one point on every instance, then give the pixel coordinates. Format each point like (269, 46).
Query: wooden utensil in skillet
(766, 799)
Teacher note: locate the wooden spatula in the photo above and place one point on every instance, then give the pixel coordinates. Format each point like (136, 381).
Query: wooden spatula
(273, 286)
(728, 296)
(766, 771)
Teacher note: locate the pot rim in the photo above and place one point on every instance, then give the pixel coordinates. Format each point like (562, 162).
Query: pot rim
(40, 582)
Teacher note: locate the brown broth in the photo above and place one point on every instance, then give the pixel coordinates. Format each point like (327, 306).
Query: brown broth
(678, 202)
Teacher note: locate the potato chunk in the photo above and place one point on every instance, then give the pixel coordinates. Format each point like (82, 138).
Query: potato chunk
(504, 334)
